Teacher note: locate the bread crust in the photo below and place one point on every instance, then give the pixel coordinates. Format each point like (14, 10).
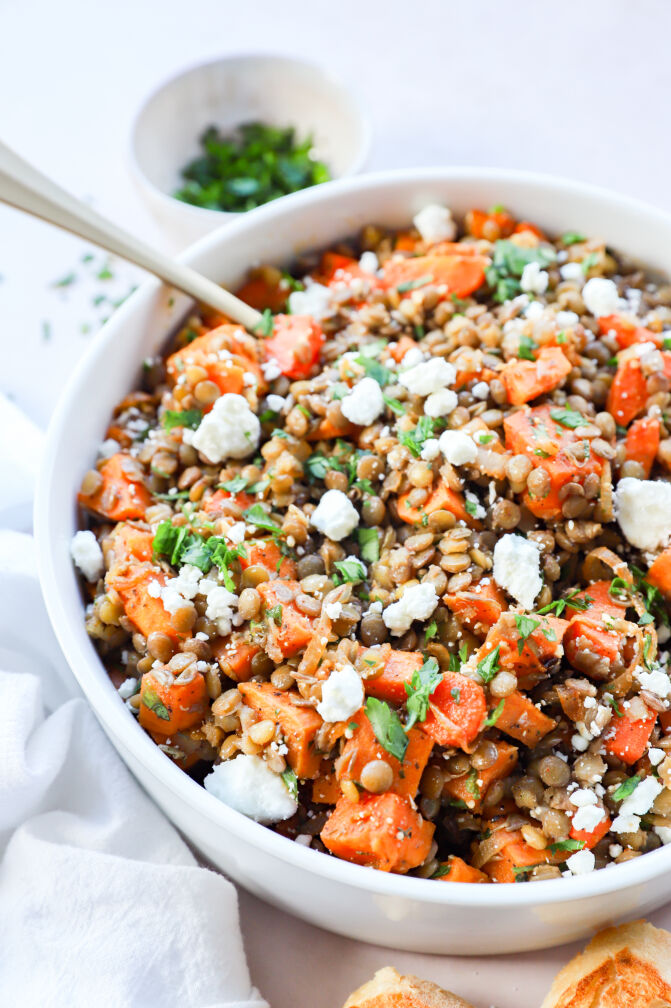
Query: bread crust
(622, 967)
(388, 989)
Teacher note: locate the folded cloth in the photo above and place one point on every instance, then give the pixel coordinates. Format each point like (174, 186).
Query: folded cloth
(101, 902)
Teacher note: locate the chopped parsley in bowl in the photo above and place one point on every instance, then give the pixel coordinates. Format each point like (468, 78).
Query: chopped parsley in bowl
(252, 166)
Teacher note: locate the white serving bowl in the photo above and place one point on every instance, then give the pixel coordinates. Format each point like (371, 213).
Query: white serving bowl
(277, 90)
(397, 911)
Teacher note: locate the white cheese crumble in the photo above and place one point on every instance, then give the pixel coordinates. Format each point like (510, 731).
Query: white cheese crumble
(342, 694)
(128, 688)
(315, 300)
(429, 376)
(364, 403)
(86, 552)
(600, 296)
(580, 863)
(534, 280)
(637, 804)
(643, 511)
(480, 390)
(435, 224)
(588, 818)
(108, 448)
(369, 263)
(656, 681)
(417, 603)
(276, 402)
(457, 447)
(567, 318)
(663, 832)
(412, 357)
(335, 516)
(333, 610)
(571, 271)
(271, 369)
(517, 568)
(656, 755)
(221, 605)
(430, 450)
(441, 403)
(248, 785)
(582, 797)
(229, 430)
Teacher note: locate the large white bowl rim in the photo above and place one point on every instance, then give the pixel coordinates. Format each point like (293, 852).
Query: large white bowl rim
(54, 567)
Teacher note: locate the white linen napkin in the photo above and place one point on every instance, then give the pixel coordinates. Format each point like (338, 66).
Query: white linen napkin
(101, 902)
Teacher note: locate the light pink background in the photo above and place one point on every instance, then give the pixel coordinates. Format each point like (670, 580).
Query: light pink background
(577, 88)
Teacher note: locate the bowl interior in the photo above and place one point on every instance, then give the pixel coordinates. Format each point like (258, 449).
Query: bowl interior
(276, 90)
(276, 233)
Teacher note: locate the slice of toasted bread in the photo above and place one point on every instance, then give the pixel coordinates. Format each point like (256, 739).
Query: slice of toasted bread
(388, 989)
(622, 967)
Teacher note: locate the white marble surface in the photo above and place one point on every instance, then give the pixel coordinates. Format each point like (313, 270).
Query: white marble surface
(579, 88)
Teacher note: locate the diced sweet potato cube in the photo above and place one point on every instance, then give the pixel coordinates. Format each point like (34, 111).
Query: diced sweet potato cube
(382, 831)
(298, 725)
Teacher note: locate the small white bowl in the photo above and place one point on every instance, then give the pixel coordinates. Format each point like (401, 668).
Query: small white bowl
(277, 90)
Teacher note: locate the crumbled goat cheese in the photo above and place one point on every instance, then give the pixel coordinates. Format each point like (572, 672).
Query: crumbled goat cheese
(335, 516)
(429, 376)
(411, 358)
(656, 681)
(430, 450)
(457, 447)
(477, 510)
(615, 849)
(637, 804)
(656, 755)
(588, 818)
(517, 568)
(248, 785)
(369, 263)
(600, 297)
(567, 318)
(571, 271)
(364, 403)
(417, 603)
(643, 511)
(435, 224)
(582, 797)
(236, 533)
(440, 403)
(535, 311)
(663, 832)
(229, 430)
(86, 552)
(480, 390)
(342, 694)
(128, 688)
(333, 610)
(108, 448)
(315, 300)
(534, 280)
(271, 369)
(221, 605)
(579, 743)
(276, 403)
(580, 863)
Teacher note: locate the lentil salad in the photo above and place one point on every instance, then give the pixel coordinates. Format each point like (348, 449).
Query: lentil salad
(390, 577)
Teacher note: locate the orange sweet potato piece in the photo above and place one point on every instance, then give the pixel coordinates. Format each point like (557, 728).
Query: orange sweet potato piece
(295, 344)
(525, 380)
(659, 574)
(600, 603)
(627, 333)
(234, 655)
(642, 442)
(364, 747)
(528, 226)
(397, 668)
(295, 629)
(122, 495)
(297, 724)
(215, 505)
(471, 789)
(382, 831)
(172, 705)
(131, 581)
(540, 650)
(546, 443)
(210, 352)
(490, 224)
(266, 553)
(441, 498)
(455, 869)
(586, 638)
(263, 293)
(325, 787)
(457, 708)
(627, 739)
(628, 394)
(460, 274)
(326, 430)
(515, 853)
(522, 720)
(335, 268)
(591, 839)
(480, 606)
(399, 351)
(132, 544)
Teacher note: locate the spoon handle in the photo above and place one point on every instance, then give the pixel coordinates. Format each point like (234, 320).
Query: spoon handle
(23, 187)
